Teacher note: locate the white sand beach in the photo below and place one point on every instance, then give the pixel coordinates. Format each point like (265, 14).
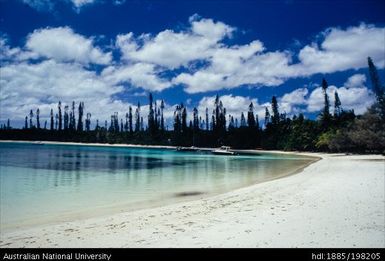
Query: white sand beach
(337, 201)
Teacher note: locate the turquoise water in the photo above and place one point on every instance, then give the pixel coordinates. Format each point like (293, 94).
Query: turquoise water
(50, 183)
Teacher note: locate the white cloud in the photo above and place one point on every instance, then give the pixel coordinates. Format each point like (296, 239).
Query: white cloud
(174, 49)
(343, 49)
(234, 105)
(80, 3)
(356, 80)
(354, 95)
(139, 75)
(337, 52)
(290, 102)
(63, 44)
(28, 86)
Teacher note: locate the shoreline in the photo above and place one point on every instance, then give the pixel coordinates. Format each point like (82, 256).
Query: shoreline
(337, 201)
(104, 211)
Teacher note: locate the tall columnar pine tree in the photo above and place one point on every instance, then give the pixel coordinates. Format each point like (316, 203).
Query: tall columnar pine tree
(267, 116)
(377, 88)
(72, 117)
(250, 116)
(66, 117)
(137, 118)
(80, 120)
(184, 118)
(130, 119)
(161, 115)
(256, 122)
(56, 121)
(195, 120)
(243, 121)
(337, 105)
(177, 119)
(52, 121)
(30, 119)
(207, 119)
(151, 117)
(60, 116)
(274, 107)
(126, 123)
(38, 118)
(88, 121)
(325, 116)
(26, 122)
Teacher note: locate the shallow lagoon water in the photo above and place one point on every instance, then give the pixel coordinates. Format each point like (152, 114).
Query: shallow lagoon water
(51, 183)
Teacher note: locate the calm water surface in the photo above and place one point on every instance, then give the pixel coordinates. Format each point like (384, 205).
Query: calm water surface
(48, 183)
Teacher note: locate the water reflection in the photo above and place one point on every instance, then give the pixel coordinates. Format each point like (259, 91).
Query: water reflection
(68, 159)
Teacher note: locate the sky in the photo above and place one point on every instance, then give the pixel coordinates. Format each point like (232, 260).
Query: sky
(111, 54)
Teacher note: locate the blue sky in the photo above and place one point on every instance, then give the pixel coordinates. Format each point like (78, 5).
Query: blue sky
(110, 54)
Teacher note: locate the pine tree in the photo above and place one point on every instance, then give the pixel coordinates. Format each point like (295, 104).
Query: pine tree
(88, 121)
(337, 105)
(267, 116)
(137, 118)
(177, 119)
(38, 118)
(130, 119)
(274, 107)
(243, 120)
(26, 122)
(377, 88)
(151, 119)
(30, 119)
(250, 116)
(196, 119)
(161, 115)
(80, 120)
(184, 119)
(207, 119)
(325, 116)
(56, 121)
(60, 116)
(66, 117)
(52, 122)
(126, 124)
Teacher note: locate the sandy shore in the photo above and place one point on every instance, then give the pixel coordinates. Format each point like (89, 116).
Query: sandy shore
(338, 201)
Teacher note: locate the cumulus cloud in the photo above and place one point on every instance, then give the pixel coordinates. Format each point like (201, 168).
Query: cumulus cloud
(26, 86)
(174, 49)
(343, 49)
(139, 75)
(196, 57)
(63, 44)
(337, 52)
(234, 105)
(354, 95)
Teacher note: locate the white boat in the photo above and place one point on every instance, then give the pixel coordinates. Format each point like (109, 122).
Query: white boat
(224, 150)
(192, 148)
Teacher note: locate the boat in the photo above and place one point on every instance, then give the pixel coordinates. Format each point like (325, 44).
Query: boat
(224, 150)
(192, 148)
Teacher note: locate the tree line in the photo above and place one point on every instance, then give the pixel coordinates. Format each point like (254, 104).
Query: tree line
(334, 130)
